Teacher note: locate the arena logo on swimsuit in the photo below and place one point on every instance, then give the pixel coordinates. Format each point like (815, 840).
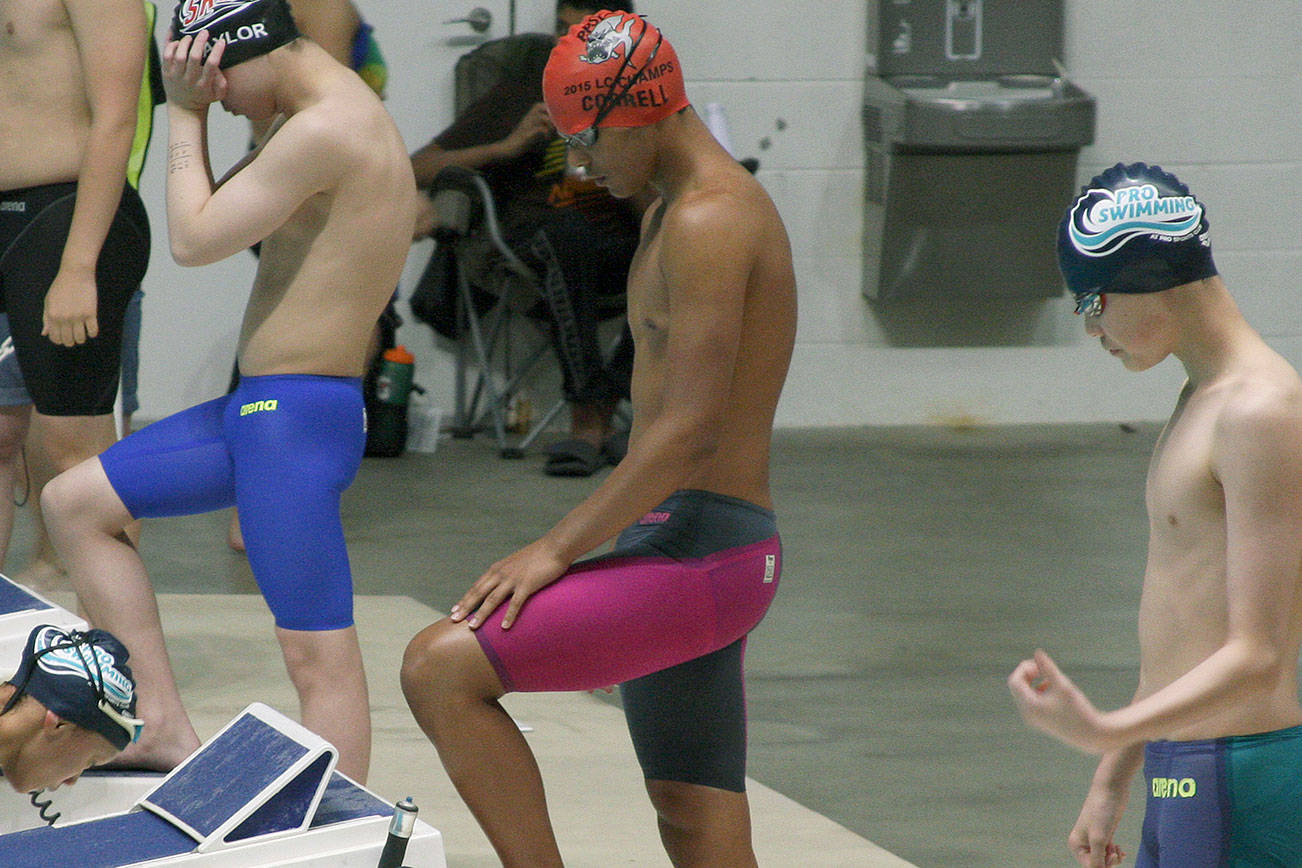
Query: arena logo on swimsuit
(258, 407)
(1104, 220)
(1174, 788)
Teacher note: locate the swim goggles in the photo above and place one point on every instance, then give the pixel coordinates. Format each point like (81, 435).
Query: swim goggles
(1090, 304)
(587, 137)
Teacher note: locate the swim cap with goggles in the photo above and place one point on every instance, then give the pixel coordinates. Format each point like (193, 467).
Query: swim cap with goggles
(1133, 229)
(251, 28)
(81, 677)
(612, 69)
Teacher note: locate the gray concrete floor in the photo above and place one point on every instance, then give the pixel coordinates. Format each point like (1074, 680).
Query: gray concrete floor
(920, 565)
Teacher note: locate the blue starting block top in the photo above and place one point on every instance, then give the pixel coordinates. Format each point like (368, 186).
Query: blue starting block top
(139, 836)
(232, 770)
(16, 598)
(262, 775)
(112, 842)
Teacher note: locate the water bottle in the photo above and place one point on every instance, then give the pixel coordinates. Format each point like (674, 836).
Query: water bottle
(386, 433)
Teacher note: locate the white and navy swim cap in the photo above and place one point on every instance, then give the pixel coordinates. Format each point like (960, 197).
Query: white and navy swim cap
(1134, 229)
(251, 28)
(81, 677)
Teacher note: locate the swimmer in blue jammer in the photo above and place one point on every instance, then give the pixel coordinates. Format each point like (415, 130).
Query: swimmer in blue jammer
(331, 196)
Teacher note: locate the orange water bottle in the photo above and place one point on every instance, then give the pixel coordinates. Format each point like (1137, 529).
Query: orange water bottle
(387, 432)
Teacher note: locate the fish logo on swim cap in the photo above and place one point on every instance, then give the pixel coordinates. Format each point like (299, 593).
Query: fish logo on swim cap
(251, 28)
(613, 69)
(607, 38)
(1134, 228)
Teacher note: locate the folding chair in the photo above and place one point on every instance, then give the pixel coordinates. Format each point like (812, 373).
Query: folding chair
(493, 288)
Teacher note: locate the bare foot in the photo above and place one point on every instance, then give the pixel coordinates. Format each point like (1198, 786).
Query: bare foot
(234, 538)
(150, 756)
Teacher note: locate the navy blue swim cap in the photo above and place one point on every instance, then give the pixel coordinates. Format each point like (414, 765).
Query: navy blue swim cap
(1134, 229)
(81, 677)
(250, 27)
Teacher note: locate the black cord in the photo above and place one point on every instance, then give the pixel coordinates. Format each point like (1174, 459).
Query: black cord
(42, 808)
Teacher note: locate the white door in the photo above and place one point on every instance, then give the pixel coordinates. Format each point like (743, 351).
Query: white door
(422, 40)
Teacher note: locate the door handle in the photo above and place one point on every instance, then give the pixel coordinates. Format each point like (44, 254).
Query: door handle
(479, 19)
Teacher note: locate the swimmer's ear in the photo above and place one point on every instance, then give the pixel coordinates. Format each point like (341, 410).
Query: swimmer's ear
(53, 722)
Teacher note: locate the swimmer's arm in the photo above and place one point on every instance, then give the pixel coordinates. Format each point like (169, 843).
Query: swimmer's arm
(1118, 767)
(253, 152)
(1258, 462)
(427, 162)
(1091, 838)
(111, 46)
(706, 253)
(205, 225)
(534, 127)
(705, 260)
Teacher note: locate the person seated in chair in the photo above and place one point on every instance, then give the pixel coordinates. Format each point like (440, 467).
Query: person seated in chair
(561, 222)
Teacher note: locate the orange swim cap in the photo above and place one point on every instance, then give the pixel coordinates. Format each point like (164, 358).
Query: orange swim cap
(613, 69)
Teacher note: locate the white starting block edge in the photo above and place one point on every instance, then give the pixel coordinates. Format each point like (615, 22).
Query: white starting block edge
(22, 609)
(352, 844)
(354, 841)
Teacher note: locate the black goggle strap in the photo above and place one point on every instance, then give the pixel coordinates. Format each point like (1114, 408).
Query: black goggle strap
(587, 137)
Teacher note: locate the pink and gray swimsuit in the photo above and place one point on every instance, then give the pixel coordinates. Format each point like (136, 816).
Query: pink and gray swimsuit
(664, 615)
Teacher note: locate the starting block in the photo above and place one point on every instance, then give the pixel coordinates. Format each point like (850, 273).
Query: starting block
(21, 609)
(261, 792)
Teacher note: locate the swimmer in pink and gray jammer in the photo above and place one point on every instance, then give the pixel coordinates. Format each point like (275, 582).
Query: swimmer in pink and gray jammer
(712, 308)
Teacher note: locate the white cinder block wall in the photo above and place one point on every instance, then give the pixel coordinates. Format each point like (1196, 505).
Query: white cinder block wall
(1205, 88)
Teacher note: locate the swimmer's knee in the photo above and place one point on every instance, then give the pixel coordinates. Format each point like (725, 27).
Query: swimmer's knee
(70, 440)
(702, 825)
(694, 808)
(677, 804)
(83, 496)
(315, 658)
(430, 655)
(445, 659)
(70, 497)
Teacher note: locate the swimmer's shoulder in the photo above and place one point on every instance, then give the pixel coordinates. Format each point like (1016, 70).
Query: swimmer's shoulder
(335, 129)
(1260, 405)
(714, 206)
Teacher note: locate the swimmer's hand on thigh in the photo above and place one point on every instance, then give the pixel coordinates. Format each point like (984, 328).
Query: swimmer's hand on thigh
(69, 317)
(192, 82)
(513, 580)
